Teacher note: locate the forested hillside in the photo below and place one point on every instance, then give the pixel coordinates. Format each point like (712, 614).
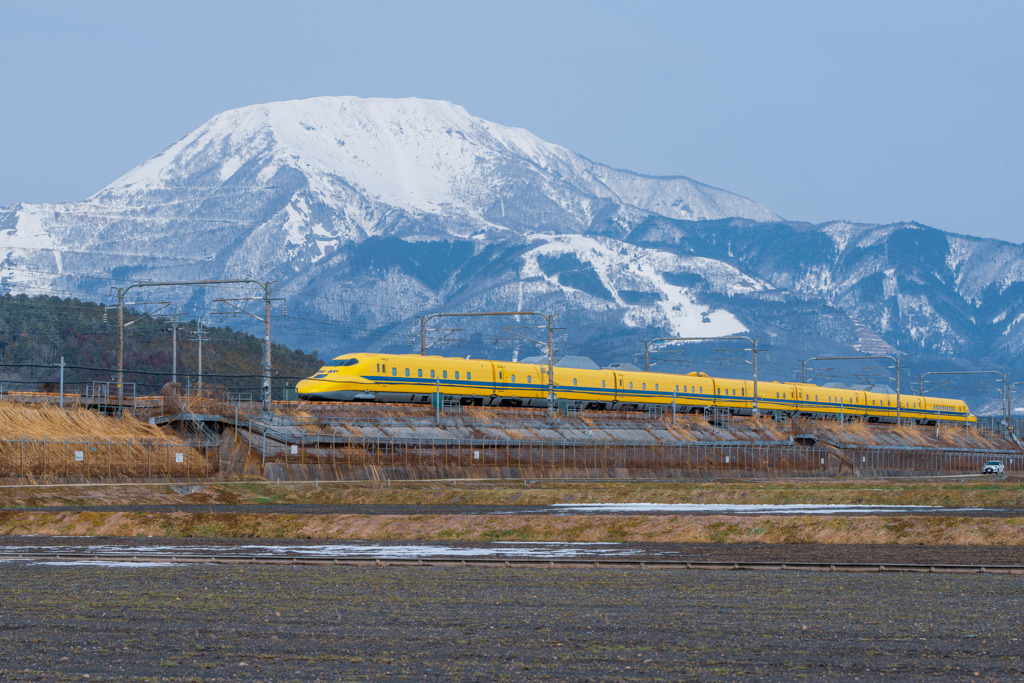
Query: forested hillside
(35, 332)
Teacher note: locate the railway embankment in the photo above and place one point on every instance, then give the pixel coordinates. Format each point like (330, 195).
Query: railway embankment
(206, 440)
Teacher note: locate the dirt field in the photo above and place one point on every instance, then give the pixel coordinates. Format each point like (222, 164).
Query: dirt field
(312, 623)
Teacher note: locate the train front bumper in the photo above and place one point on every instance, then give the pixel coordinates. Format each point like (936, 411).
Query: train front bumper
(318, 390)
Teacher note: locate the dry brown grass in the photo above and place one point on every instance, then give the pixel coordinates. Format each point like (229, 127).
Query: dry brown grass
(958, 531)
(41, 441)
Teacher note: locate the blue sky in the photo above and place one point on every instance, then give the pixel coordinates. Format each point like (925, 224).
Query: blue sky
(865, 111)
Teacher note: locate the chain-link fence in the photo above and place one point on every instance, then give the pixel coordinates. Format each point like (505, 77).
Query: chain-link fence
(43, 459)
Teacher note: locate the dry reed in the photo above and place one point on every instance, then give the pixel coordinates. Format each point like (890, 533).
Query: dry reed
(43, 441)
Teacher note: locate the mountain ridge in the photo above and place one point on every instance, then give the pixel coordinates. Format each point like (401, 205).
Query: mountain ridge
(369, 212)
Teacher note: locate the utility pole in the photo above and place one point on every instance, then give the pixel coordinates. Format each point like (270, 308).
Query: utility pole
(174, 351)
(266, 364)
(199, 335)
(62, 381)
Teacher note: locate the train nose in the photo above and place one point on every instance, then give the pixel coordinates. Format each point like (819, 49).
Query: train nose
(305, 387)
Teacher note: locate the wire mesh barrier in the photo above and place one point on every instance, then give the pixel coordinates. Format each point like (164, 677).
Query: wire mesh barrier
(41, 460)
(326, 451)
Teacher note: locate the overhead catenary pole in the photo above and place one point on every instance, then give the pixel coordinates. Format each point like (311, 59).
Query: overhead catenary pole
(267, 287)
(549, 318)
(753, 347)
(894, 359)
(1004, 398)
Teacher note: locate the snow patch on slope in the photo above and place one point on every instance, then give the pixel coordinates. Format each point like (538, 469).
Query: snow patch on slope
(623, 267)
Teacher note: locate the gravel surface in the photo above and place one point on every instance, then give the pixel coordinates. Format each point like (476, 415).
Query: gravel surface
(347, 623)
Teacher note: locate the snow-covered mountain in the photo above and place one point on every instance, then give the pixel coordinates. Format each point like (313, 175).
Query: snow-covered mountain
(369, 211)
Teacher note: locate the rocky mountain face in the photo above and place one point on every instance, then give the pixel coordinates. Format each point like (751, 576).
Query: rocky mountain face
(370, 212)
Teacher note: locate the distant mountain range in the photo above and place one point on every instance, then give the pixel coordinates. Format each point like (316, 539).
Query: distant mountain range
(371, 211)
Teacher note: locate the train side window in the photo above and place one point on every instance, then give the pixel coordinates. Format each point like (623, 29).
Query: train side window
(469, 375)
(394, 372)
(407, 372)
(677, 388)
(743, 391)
(620, 382)
(512, 378)
(456, 374)
(419, 373)
(630, 385)
(444, 374)
(776, 394)
(501, 375)
(432, 375)
(701, 390)
(603, 385)
(574, 381)
(529, 379)
(378, 367)
(655, 387)
(644, 386)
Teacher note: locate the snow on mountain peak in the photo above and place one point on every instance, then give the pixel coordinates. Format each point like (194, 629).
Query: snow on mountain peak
(418, 155)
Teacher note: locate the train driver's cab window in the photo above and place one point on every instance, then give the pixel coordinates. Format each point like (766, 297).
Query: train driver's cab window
(419, 373)
(407, 372)
(394, 372)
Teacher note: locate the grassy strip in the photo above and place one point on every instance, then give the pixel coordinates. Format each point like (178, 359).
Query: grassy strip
(970, 493)
(905, 530)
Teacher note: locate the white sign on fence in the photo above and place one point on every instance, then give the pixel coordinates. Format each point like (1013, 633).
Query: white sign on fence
(79, 456)
(295, 449)
(727, 458)
(476, 455)
(179, 457)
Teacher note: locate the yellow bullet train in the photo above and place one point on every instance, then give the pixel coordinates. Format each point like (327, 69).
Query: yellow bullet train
(407, 378)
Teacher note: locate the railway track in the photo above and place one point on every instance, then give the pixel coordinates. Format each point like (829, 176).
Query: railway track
(536, 563)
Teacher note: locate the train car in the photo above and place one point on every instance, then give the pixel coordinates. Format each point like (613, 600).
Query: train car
(412, 378)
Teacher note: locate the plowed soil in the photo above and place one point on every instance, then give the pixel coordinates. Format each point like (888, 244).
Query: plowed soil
(343, 623)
